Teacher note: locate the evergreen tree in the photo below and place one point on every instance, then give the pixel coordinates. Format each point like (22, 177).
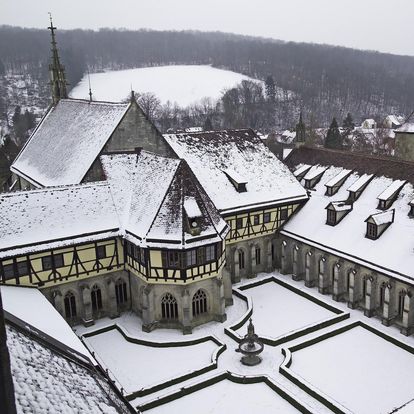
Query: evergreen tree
(348, 122)
(270, 88)
(333, 138)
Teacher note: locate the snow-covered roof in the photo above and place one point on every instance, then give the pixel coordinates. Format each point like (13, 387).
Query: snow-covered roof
(384, 217)
(396, 120)
(191, 207)
(211, 153)
(301, 169)
(314, 172)
(392, 253)
(408, 127)
(340, 205)
(391, 190)
(67, 141)
(57, 214)
(337, 179)
(32, 307)
(46, 380)
(360, 182)
(150, 190)
(235, 176)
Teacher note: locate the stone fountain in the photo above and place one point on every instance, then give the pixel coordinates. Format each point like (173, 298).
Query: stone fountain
(250, 346)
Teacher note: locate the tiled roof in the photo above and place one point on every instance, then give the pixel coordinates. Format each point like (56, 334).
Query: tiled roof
(67, 141)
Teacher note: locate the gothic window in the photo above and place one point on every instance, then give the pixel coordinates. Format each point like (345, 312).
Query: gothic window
(257, 255)
(295, 254)
(121, 292)
(191, 258)
(199, 303)
(70, 305)
(364, 288)
(96, 297)
(266, 217)
(322, 265)
(272, 248)
(100, 252)
(382, 295)
(47, 262)
(169, 307)
(401, 302)
(307, 260)
(241, 259)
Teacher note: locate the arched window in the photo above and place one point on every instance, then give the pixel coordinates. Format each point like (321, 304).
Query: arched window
(257, 255)
(295, 254)
(96, 297)
(241, 259)
(401, 303)
(382, 294)
(70, 305)
(322, 261)
(169, 307)
(364, 287)
(199, 303)
(121, 292)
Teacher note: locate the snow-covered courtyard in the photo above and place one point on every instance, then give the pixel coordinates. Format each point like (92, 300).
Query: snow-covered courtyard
(178, 83)
(356, 368)
(278, 311)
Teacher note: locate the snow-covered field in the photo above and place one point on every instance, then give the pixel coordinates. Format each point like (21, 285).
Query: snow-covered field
(229, 397)
(184, 84)
(278, 311)
(360, 370)
(133, 364)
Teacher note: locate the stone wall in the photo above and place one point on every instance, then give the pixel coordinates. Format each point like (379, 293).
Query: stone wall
(404, 146)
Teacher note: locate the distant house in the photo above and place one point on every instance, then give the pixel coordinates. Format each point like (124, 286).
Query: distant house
(393, 121)
(369, 124)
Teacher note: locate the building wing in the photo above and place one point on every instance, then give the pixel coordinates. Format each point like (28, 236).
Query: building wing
(65, 144)
(212, 155)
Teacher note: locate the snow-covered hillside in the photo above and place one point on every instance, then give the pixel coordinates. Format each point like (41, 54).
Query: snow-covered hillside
(183, 84)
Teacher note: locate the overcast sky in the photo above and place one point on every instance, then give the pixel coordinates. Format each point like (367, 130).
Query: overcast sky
(365, 24)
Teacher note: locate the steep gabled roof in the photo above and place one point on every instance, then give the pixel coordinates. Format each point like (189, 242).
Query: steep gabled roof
(56, 215)
(210, 154)
(67, 141)
(149, 191)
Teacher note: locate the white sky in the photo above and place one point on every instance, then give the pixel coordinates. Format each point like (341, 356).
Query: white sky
(365, 24)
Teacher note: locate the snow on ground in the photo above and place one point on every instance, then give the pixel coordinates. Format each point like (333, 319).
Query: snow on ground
(229, 397)
(133, 364)
(277, 310)
(180, 83)
(359, 369)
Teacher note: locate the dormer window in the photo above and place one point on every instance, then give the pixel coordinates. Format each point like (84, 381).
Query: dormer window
(194, 215)
(356, 189)
(336, 211)
(333, 185)
(300, 172)
(238, 181)
(390, 194)
(313, 176)
(378, 223)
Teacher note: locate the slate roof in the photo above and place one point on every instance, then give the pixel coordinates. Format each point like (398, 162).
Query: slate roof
(210, 154)
(150, 192)
(46, 380)
(361, 163)
(55, 215)
(392, 253)
(67, 141)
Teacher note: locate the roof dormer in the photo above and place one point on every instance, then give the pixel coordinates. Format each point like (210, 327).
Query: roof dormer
(238, 181)
(300, 172)
(335, 183)
(336, 211)
(378, 223)
(389, 195)
(193, 213)
(356, 189)
(313, 176)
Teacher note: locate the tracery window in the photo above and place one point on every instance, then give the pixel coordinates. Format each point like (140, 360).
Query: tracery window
(70, 305)
(169, 307)
(241, 259)
(121, 292)
(401, 303)
(96, 297)
(257, 255)
(199, 303)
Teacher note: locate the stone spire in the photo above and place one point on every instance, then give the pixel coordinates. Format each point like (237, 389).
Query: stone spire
(300, 130)
(56, 70)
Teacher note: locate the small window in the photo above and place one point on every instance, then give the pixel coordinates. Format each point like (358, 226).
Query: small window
(256, 220)
(22, 268)
(371, 230)
(331, 217)
(129, 248)
(382, 204)
(8, 271)
(142, 256)
(47, 261)
(201, 255)
(266, 218)
(174, 259)
(191, 258)
(210, 253)
(100, 252)
(283, 214)
(239, 223)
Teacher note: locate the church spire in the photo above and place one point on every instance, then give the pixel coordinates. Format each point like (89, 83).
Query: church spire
(56, 70)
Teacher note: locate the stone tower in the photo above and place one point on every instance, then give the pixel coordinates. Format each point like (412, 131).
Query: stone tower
(300, 130)
(404, 140)
(56, 70)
